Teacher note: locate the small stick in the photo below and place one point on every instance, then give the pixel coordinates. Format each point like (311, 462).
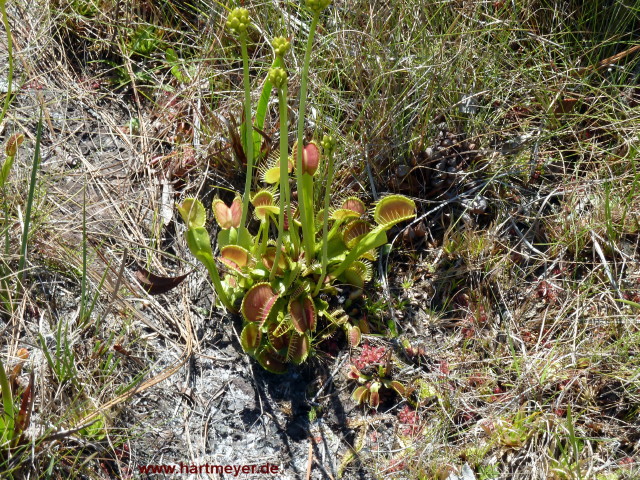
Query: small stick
(310, 460)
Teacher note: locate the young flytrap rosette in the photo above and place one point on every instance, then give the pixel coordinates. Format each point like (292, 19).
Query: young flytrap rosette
(282, 284)
(378, 378)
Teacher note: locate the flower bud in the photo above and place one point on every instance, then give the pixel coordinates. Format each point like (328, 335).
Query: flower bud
(278, 77)
(328, 144)
(317, 6)
(238, 20)
(281, 46)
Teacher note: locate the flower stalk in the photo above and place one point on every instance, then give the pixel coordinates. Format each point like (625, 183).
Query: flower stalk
(248, 128)
(238, 22)
(305, 197)
(279, 78)
(328, 146)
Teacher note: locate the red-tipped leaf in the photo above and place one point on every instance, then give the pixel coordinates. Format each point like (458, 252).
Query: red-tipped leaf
(234, 256)
(299, 346)
(258, 302)
(360, 395)
(353, 335)
(303, 314)
(271, 360)
(354, 231)
(354, 204)
(227, 217)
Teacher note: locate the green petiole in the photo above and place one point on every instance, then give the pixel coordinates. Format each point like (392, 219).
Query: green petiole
(305, 196)
(285, 199)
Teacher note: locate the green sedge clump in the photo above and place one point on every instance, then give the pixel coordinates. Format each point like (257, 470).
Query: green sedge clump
(280, 285)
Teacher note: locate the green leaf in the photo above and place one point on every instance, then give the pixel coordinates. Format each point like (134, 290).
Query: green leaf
(9, 408)
(374, 239)
(170, 55)
(357, 274)
(271, 175)
(271, 360)
(245, 239)
(335, 248)
(250, 337)
(305, 199)
(200, 246)
(227, 237)
(6, 169)
(97, 429)
(193, 213)
(394, 209)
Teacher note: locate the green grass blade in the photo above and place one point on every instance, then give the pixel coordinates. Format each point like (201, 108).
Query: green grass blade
(82, 316)
(32, 190)
(7, 27)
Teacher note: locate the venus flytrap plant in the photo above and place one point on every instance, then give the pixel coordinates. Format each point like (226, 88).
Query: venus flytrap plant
(373, 374)
(280, 286)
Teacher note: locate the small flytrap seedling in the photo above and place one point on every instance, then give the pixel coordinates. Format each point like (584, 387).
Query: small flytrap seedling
(282, 286)
(372, 370)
